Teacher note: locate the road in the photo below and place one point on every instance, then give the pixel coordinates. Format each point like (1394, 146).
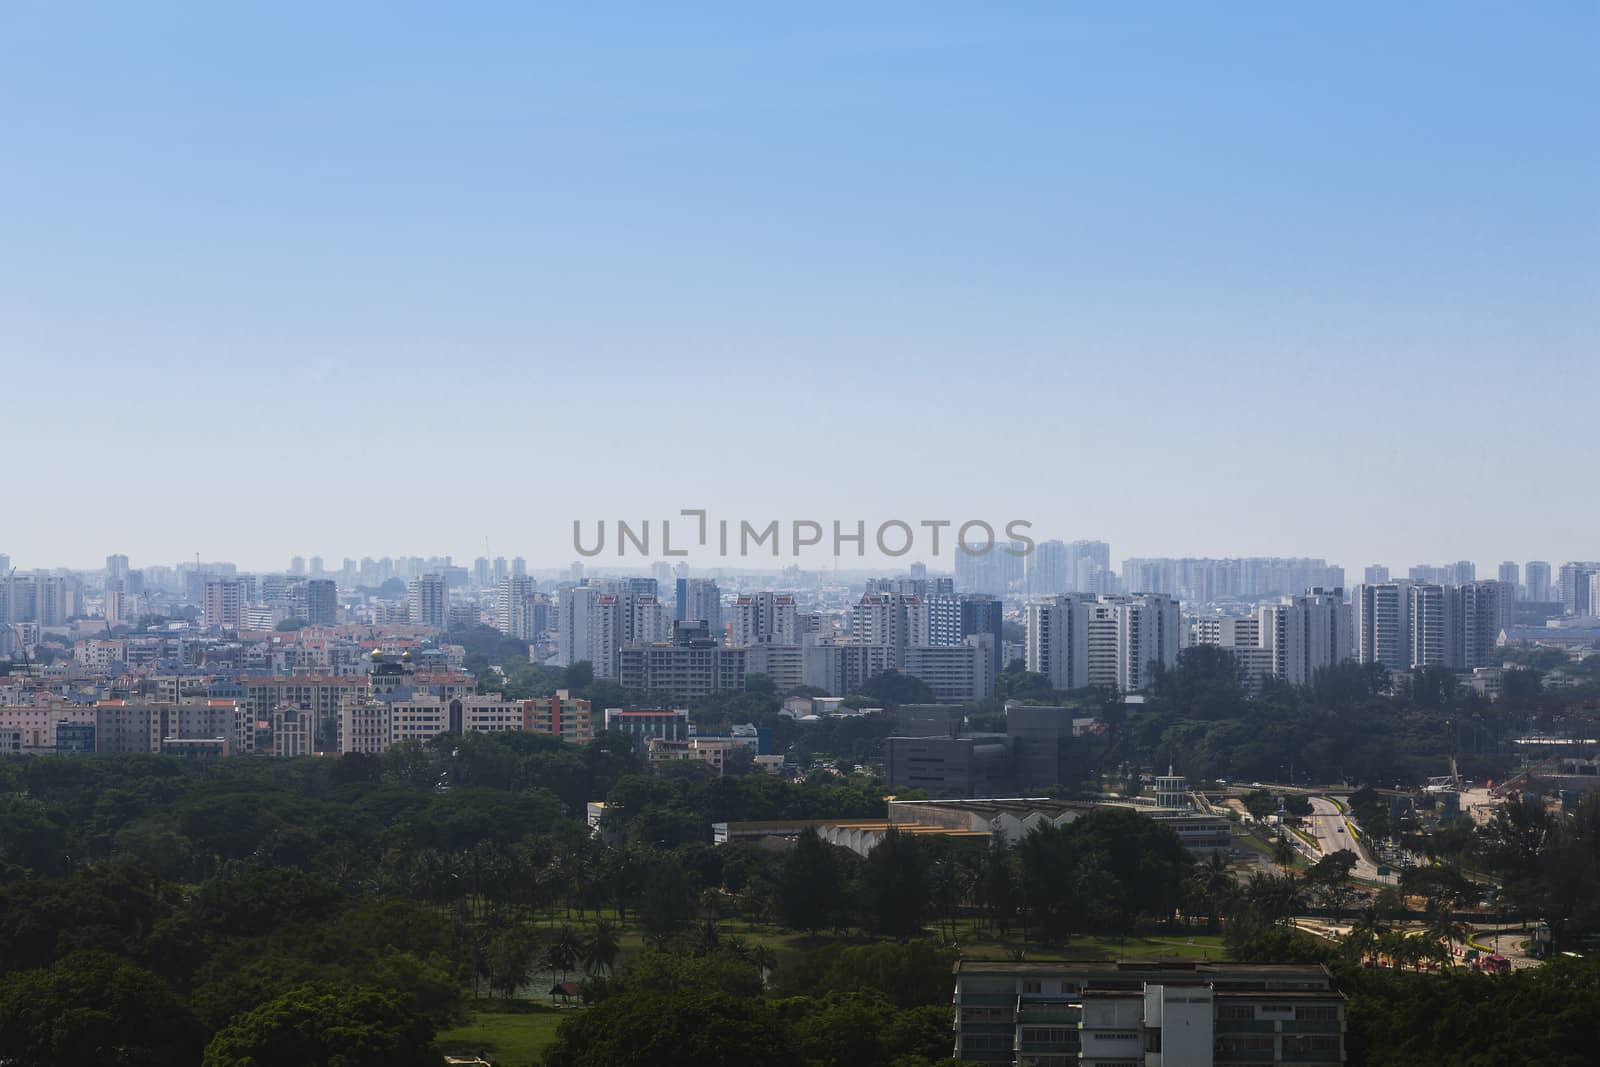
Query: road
(1327, 825)
(1508, 944)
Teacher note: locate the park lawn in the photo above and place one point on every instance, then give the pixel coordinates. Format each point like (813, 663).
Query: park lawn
(511, 1039)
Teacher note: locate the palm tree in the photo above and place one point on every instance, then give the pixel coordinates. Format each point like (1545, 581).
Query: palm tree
(564, 952)
(1215, 888)
(1444, 929)
(600, 951)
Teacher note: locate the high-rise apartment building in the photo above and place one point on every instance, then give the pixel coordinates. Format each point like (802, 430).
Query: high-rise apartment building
(700, 600)
(884, 619)
(1079, 640)
(1046, 570)
(1536, 575)
(511, 597)
(764, 618)
(1381, 621)
(1457, 626)
(1305, 634)
(1511, 574)
(221, 604)
(575, 607)
(322, 602)
(428, 601)
(1574, 582)
(1057, 640)
(982, 614)
(1375, 574)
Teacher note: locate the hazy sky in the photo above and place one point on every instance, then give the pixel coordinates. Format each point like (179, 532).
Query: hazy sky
(1197, 279)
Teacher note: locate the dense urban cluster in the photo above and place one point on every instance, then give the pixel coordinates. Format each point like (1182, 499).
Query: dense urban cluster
(404, 809)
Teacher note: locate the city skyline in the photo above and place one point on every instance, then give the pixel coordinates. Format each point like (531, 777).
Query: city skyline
(1355, 573)
(1243, 281)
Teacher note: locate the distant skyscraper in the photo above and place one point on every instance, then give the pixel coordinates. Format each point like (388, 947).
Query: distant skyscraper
(116, 568)
(481, 572)
(1046, 569)
(516, 610)
(519, 567)
(316, 566)
(1086, 562)
(297, 565)
(1537, 574)
(1575, 587)
(699, 600)
(1375, 574)
(428, 600)
(1511, 573)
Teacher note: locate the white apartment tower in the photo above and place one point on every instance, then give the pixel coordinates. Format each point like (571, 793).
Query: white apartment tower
(764, 619)
(1306, 633)
(1058, 641)
(1079, 640)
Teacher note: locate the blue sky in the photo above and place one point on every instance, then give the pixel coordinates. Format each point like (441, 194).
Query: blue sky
(367, 279)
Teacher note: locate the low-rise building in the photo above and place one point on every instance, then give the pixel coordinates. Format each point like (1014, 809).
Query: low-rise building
(1147, 1014)
(560, 715)
(643, 724)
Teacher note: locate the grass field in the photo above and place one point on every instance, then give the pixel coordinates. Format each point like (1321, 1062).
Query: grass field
(1158, 946)
(509, 1038)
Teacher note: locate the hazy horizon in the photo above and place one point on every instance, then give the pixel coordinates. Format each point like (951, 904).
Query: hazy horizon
(386, 279)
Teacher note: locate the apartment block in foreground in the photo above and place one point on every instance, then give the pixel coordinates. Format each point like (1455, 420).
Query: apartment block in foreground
(1166, 1013)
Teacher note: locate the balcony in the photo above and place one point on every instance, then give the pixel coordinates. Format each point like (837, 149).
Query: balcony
(1246, 1026)
(987, 1000)
(1067, 1014)
(1291, 1026)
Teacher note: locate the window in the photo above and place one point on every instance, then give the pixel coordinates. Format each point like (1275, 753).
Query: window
(1235, 1012)
(1317, 1013)
(1049, 1035)
(1032, 985)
